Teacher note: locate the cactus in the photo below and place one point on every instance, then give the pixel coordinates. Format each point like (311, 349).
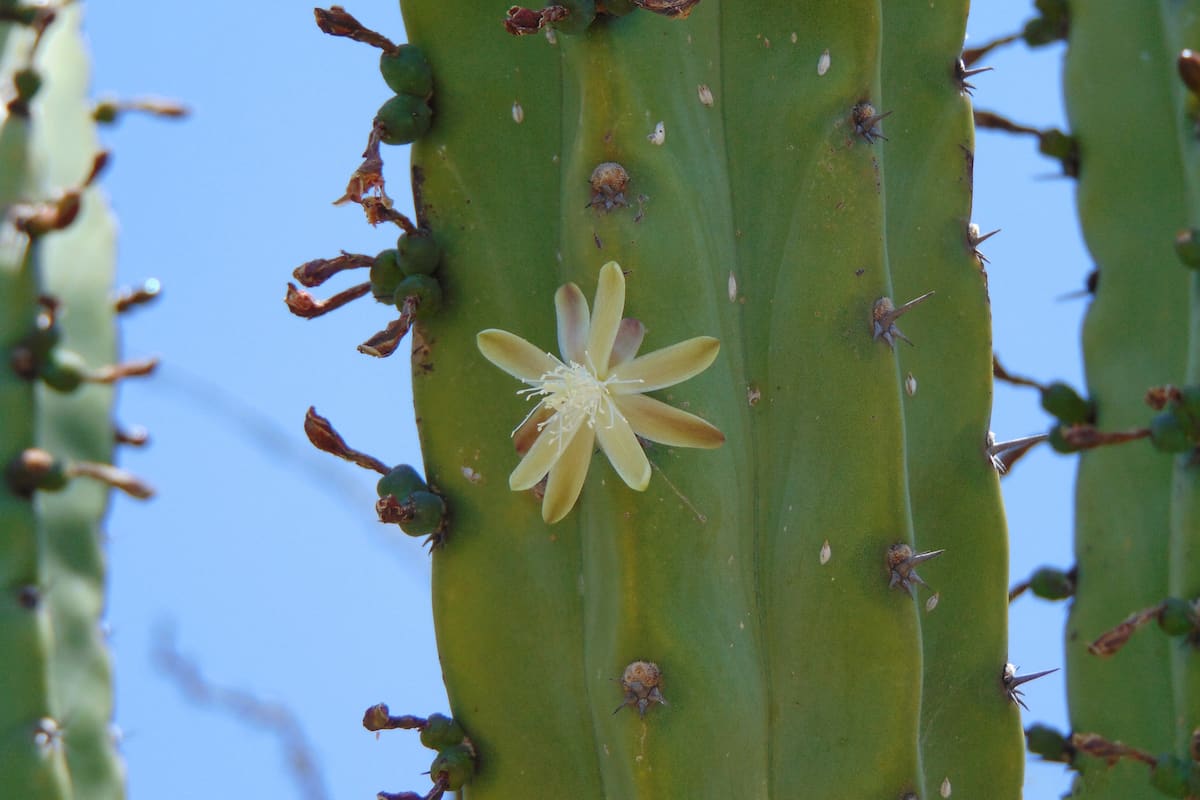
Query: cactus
(1136, 507)
(789, 181)
(57, 328)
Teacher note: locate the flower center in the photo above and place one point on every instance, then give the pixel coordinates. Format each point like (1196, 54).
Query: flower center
(576, 396)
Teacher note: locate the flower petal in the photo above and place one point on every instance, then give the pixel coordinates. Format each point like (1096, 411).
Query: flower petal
(619, 443)
(606, 316)
(659, 422)
(514, 355)
(629, 338)
(666, 367)
(542, 456)
(527, 432)
(566, 479)
(572, 309)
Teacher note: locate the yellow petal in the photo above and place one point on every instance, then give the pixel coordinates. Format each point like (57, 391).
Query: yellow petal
(659, 422)
(514, 355)
(566, 479)
(572, 311)
(606, 316)
(542, 456)
(619, 443)
(527, 432)
(629, 339)
(666, 367)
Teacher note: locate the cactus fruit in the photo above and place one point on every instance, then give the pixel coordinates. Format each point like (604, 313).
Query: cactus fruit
(767, 180)
(57, 325)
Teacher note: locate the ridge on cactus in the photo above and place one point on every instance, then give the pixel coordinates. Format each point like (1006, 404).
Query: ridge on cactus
(599, 376)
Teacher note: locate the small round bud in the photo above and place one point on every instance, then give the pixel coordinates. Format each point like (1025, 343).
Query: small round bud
(441, 732)
(63, 370)
(386, 275)
(403, 119)
(1058, 439)
(423, 291)
(402, 481)
(1169, 433)
(1049, 583)
(1066, 405)
(1048, 743)
(36, 469)
(419, 254)
(455, 765)
(406, 71)
(1178, 617)
(422, 514)
(1187, 247)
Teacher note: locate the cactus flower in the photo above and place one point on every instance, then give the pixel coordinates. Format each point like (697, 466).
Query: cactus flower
(596, 393)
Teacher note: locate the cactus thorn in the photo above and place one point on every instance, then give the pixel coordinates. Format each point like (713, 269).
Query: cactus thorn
(642, 682)
(902, 565)
(884, 315)
(1002, 455)
(1012, 681)
(961, 73)
(866, 122)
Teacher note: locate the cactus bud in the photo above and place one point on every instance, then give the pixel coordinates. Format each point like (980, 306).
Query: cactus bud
(36, 469)
(1177, 617)
(400, 482)
(420, 292)
(403, 119)
(1187, 247)
(1066, 405)
(407, 71)
(453, 766)
(1169, 433)
(1052, 584)
(385, 275)
(441, 732)
(1049, 744)
(63, 370)
(419, 514)
(419, 253)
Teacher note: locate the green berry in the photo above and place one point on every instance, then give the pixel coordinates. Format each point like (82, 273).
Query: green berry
(422, 513)
(1049, 583)
(581, 16)
(1065, 404)
(1048, 743)
(456, 765)
(1170, 776)
(1187, 247)
(403, 119)
(63, 370)
(407, 71)
(426, 291)
(36, 469)
(386, 275)
(1058, 440)
(402, 481)
(419, 253)
(441, 732)
(1169, 434)
(1178, 617)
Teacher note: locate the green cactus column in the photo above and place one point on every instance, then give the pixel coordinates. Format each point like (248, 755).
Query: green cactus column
(1137, 528)
(784, 179)
(56, 271)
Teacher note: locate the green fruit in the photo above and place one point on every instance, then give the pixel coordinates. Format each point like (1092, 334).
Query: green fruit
(1058, 440)
(423, 513)
(1177, 618)
(582, 14)
(403, 119)
(1048, 743)
(426, 291)
(1051, 584)
(1065, 404)
(1187, 247)
(1170, 776)
(441, 732)
(63, 370)
(386, 275)
(455, 765)
(1169, 433)
(407, 71)
(419, 253)
(402, 481)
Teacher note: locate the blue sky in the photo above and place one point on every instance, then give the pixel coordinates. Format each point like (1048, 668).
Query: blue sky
(260, 552)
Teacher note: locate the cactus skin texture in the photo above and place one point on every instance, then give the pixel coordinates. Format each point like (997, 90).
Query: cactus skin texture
(56, 738)
(764, 218)
(1137, 509)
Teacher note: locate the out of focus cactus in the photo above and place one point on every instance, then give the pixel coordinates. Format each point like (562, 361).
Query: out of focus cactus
(781, 179)
(56, 430)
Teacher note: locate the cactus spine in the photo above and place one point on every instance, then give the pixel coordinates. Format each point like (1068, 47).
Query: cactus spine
(811, 174)
(56, 739)
(1137, 509)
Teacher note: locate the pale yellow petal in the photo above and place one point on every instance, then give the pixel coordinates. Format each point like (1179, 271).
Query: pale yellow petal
(572, 309)
(659, 422)
(527, 432)
(666, 367)
(514, 355)
(629, 338)
(566, 479)
(619, 443)
(542, 456)
(606, 316)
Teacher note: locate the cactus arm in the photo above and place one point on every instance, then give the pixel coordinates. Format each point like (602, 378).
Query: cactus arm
(1122, 90)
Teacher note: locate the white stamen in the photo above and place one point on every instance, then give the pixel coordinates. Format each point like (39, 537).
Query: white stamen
(576, 396)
